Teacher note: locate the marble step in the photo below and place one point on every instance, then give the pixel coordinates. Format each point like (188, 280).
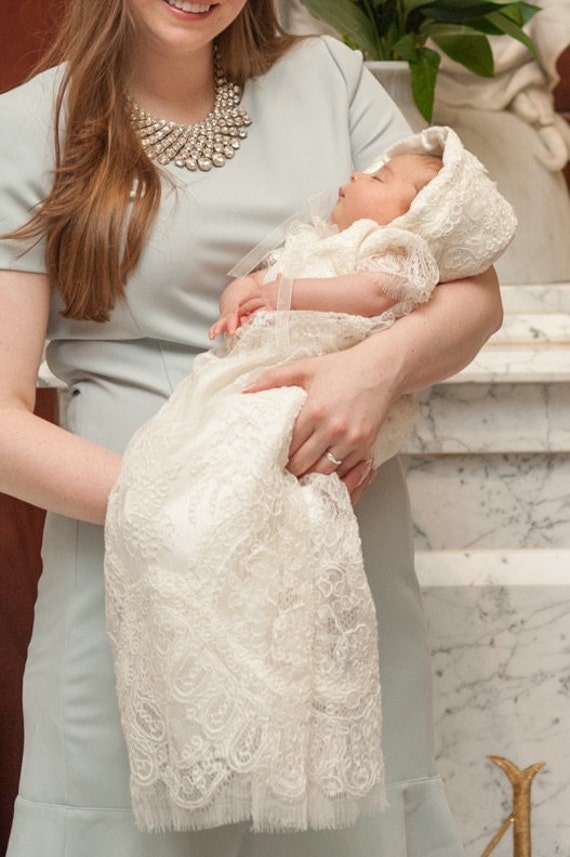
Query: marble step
(479, 419)
(493, 568)
(535, 314)
(533, 345)
(532, 329)
(514, 397)
(540, 363)
(547, 298)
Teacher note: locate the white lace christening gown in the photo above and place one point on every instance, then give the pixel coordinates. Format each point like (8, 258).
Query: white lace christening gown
(242, 626)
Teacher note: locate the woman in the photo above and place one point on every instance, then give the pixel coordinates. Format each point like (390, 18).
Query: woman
(315, 114)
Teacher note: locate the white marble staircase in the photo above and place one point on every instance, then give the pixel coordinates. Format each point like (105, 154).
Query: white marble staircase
(489, 476)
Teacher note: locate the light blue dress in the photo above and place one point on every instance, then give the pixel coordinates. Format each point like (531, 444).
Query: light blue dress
(316, 115)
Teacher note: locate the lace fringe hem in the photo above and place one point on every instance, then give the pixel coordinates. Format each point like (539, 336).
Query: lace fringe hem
(156, 814)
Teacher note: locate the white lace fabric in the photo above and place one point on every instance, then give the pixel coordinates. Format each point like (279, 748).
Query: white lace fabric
(242, 626)
(243, 629)
(460, 213)
(397, 259)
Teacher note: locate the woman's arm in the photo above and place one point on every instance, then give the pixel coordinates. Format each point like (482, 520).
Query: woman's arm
(350, 392)
(39, 462)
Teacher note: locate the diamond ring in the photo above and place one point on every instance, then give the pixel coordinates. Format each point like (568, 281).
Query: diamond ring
(336, 461)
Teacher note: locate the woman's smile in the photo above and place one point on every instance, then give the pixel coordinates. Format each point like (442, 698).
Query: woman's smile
(171, 31)
(191, 8)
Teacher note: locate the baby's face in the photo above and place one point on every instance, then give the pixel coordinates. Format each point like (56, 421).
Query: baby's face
(385, 194)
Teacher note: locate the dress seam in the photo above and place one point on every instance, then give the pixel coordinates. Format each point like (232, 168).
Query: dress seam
(65, 667)
(69, 808)
(128, 809)
(411, 782)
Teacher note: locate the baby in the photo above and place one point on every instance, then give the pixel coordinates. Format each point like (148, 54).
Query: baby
(242, 626)
(369, 200)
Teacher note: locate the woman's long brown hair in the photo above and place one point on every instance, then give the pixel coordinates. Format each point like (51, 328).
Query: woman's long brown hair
(92, 244)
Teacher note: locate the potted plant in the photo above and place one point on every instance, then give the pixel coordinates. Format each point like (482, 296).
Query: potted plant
(399, 29)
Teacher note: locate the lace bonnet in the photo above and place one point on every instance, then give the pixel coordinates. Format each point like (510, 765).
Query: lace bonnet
(460, 213)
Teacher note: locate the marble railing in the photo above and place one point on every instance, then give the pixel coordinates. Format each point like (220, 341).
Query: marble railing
(489, 476)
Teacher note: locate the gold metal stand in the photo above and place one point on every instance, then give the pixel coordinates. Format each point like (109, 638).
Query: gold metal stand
(519, 819)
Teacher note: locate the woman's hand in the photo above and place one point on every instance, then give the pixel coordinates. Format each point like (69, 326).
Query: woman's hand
(40, 462)
(345, 408)
(348, 400)
(350, 392)
(358, 479)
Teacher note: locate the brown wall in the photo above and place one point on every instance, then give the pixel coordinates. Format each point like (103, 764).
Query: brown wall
(20, 566)
(562, 94)
(24, 27)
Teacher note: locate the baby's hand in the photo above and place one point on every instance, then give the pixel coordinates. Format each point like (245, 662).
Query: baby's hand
(240, 299)
(225, 324)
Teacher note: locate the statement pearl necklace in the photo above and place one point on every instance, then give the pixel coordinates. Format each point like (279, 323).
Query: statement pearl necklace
(209, 143)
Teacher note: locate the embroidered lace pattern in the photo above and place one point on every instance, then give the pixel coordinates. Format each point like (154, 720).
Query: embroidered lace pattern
(460, 213)
(399, 260)
(242, 626)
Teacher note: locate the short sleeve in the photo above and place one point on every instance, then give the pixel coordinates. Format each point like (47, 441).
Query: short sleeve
(402, 261)
(26, 166)
(375, 120)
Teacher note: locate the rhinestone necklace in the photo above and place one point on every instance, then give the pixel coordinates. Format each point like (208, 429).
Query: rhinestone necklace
(209, 143)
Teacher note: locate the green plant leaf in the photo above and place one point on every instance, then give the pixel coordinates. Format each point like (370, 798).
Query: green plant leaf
(486, 25)
(348, 19)
(409, 5)
(472, 13)
(468, 49)
(423, 73)
(461, 13)
(399, 29)
(406, 48)
(469, 5)
(382, 14)
(520, 12)
(483, 25)
(509, 28)
(528, 10)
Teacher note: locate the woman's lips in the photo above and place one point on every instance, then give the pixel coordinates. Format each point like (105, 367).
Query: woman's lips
(191, 8)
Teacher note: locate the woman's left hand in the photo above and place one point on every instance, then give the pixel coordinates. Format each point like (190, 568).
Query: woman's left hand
(350, 392)
(346, 405)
